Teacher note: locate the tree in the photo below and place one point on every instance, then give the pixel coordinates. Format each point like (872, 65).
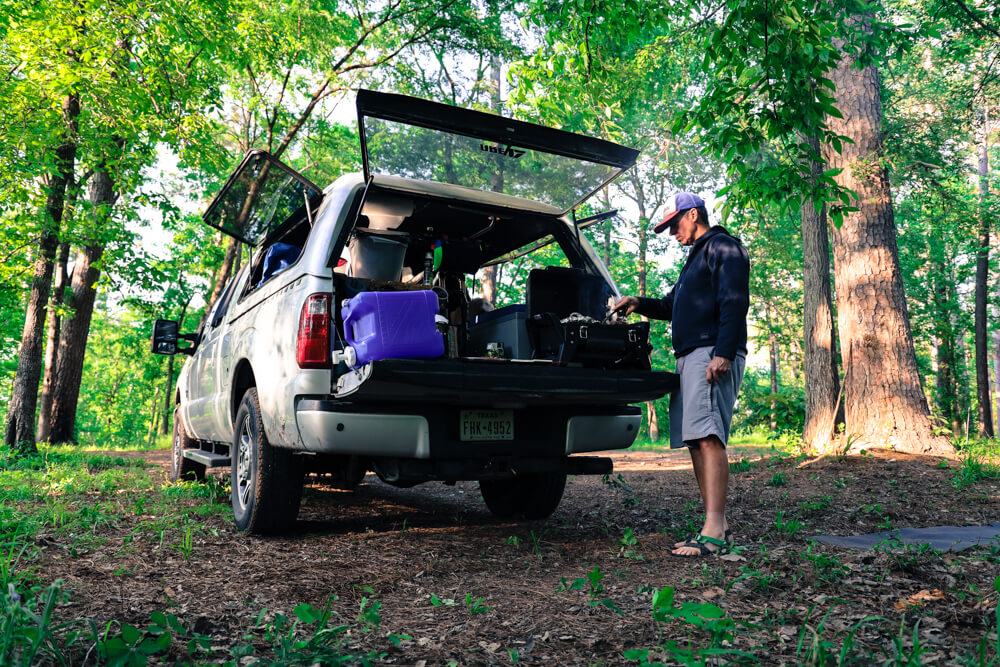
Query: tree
(884, 403)
(20, 423)
(986, 429)
(73, 334)
(822, 381)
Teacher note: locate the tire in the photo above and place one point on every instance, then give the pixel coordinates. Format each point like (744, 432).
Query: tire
(180, 467)
(528, 496)
(266, 480)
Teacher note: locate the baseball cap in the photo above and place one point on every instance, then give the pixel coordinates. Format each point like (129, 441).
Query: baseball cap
(682, 201)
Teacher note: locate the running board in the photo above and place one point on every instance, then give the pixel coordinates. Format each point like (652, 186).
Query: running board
(208, 459)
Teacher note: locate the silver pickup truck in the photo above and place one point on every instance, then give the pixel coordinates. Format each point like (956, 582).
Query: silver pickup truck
(352, 342)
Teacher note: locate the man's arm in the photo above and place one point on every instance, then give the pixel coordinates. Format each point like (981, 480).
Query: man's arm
(657, 309)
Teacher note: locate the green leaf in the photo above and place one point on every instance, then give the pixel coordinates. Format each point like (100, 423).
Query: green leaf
(305, 613)
(663, 597)
(130, 634)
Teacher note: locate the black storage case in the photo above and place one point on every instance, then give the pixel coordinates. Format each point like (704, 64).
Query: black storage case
(555, 294)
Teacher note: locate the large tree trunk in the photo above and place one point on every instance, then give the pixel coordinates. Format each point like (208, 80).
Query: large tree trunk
(52, 343)
(19, 433)
(884, 403)
(73, 339)
(822, 382)
(982, 281)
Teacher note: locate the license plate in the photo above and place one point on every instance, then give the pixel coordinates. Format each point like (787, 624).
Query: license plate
(486, 425)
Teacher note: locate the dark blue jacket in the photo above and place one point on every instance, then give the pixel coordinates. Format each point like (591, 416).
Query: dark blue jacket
(711, 297)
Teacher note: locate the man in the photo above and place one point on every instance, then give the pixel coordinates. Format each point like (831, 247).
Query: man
(708, 308)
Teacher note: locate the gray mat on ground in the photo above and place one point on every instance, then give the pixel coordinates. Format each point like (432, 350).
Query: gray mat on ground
(942, 538)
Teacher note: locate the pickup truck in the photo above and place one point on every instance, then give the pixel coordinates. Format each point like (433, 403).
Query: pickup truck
(351, 341)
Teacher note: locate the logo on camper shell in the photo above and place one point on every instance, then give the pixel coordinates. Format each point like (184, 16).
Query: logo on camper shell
(510, 151)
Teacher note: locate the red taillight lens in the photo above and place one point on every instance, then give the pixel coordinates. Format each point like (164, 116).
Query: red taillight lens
(312, 348)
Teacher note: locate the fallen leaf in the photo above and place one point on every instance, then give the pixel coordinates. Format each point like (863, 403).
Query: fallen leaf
(918, 599)
(712, 593)
(732, 558)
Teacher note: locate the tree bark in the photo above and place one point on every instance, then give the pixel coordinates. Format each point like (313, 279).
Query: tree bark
(773, 353)
(19, 433)
(822, 382)
(884, 403)
(986, 429)
(52, 342)
(73, 338)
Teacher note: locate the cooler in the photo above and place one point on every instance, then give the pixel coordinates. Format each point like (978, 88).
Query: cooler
(392, 325)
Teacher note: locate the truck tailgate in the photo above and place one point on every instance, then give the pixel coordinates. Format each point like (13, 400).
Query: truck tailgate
(498, 382)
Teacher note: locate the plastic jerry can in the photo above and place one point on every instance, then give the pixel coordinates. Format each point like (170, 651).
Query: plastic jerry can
(393, 325)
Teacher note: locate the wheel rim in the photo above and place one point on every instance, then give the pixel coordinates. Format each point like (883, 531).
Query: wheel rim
(243, 468)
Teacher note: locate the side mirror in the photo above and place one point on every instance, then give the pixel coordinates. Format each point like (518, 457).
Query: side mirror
(165, 337)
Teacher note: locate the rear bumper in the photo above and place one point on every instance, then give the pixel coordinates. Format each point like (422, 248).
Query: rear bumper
(432, 431)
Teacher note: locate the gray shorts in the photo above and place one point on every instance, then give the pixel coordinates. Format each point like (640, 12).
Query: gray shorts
(699, 409)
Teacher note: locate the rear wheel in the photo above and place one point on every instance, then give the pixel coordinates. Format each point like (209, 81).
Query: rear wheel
(528, 496)
(266, 480)
(180, 467)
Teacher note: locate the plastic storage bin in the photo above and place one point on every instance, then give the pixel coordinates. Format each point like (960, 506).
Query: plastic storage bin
(378, 254)
(505, 325)
(393, 325)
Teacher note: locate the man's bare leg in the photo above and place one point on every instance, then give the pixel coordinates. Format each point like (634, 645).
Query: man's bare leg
(711, 466)
(698, 463)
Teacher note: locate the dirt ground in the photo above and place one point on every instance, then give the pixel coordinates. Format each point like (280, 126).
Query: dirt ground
(403, 546)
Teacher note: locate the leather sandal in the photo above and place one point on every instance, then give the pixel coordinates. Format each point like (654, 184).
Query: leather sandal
(701, 542)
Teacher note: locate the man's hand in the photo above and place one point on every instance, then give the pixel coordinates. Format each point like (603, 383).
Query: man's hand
(627, 305)
(717, 367)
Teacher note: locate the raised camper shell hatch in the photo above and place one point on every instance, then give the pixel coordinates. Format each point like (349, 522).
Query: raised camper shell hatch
(419, 139)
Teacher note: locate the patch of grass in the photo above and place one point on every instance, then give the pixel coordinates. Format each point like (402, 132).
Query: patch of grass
(741, 465)
(827, 567)
(709, 631)
(908, 557)
(788, 526)
(477, 606)
(976, 467)
(777, 479)
(816, 504)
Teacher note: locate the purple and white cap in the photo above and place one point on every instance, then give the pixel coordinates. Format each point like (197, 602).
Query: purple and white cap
(678, 203)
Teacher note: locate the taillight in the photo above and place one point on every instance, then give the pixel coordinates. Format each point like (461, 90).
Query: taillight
(312, 348)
